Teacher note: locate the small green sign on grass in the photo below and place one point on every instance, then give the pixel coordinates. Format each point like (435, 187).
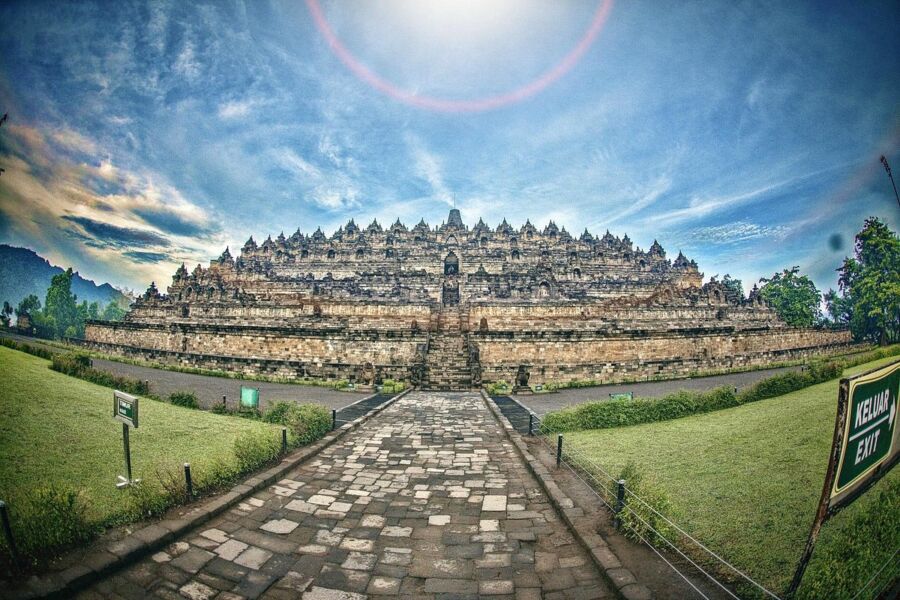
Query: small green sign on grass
(249, 397)
(125, 408)
(622, 396)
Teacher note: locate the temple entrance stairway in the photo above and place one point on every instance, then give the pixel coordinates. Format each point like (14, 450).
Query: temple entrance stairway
(448, 361)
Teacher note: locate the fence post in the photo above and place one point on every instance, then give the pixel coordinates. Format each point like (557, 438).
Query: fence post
(333, 419)
(558, 449)
(223, 402)
(530, 423)
(284, 440)
(7, 531)
(188, 482)
(620, 502)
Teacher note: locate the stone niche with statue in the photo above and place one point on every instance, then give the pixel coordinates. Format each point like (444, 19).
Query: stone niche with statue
(449, 306)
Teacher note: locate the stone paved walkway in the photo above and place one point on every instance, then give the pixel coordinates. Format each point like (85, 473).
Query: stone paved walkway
(426, 500)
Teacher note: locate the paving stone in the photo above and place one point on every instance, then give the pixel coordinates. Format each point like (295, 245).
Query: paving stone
(230, 549)
(281, 526)
(197, 591)
(427, 500)
(192, 560)
(253, 557)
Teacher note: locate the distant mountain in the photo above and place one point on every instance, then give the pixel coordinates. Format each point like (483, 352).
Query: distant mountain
(24, 272)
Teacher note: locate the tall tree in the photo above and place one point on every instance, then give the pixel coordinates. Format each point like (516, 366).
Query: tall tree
(113, 312)
(870, 285)
(6, 313)
(61, 304)
(28, 306)
(793, 296)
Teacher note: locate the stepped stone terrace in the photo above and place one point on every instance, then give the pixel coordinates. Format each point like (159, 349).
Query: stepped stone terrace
(451, 306)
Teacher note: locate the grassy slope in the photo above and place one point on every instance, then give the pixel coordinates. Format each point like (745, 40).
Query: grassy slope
(55, 428)
(746, 480)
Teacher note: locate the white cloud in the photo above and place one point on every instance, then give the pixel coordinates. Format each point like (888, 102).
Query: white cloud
(235, 109)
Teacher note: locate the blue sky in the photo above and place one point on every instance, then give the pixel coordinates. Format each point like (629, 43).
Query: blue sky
(746, 134)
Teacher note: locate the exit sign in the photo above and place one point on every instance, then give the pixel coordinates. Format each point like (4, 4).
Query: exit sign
(869, 436)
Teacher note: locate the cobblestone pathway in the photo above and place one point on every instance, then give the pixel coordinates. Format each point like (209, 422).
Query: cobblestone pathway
(426, 500)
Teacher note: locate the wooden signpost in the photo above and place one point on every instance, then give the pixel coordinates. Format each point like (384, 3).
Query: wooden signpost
(864, 449)
(125, 409)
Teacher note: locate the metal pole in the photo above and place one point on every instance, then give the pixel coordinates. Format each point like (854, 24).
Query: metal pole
(890, 175)
(530, 424)
(127, 451)
(7, 531)
(284, 440)
(223, 401)
(188, 482)
(620, 502)
(558, 449)
(333, 419)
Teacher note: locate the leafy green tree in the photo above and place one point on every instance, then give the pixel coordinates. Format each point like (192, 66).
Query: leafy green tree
(28, 306)
(113, 312)
(838, 306)
(94, 311)
(870, 285)
(6, 313)
(61, 303)
(734, 286)
(793, 296)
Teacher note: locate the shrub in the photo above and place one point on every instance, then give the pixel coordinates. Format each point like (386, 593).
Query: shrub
(27, 348)
(639, 521)
(145, 500)
(185, 399)
(619, 413)
(392, 386)
(254, 450)
(854, 545)
(47, 521)
(306, 422)
(498, 388)
(78, 364)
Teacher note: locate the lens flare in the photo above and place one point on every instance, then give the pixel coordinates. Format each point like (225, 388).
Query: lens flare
(452, 105)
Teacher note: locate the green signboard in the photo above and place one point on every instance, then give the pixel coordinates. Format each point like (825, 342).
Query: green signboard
(864, 447)
(622, 396)
(125, 408)
(249, 397)
(869, 434)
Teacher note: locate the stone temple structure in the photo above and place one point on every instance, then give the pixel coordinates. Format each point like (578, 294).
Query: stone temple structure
(452, 306)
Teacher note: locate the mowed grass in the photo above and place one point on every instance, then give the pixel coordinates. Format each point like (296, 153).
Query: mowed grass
(55, 429)
(744, 481)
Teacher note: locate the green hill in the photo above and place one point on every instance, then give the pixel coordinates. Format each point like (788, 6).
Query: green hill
(24, 272)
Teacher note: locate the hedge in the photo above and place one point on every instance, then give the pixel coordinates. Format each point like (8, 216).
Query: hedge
(684, 403)
(78, 364)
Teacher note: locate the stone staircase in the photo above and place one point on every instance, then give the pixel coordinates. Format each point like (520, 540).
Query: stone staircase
(447, 363)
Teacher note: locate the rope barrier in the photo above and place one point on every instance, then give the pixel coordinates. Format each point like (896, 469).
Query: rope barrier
(591, 469)
(877, 573)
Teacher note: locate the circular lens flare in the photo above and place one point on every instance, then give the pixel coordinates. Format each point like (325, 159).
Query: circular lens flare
(451, 105)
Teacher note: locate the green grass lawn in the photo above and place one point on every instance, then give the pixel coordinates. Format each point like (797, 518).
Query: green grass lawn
(745, 481)
(55, 429)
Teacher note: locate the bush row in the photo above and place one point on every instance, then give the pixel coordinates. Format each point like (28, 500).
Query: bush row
(27, 348)
(78, 364)
(49, 520)
(619, 413)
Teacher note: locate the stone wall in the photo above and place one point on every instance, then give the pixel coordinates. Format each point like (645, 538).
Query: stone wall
(582, 355)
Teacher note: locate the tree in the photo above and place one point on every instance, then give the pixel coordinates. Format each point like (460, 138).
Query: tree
(793, 296)
(5, 314)
(839, 307)
(28, 306)
(734, 286)
(113, 312)
(870, 285)
(61, 303)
